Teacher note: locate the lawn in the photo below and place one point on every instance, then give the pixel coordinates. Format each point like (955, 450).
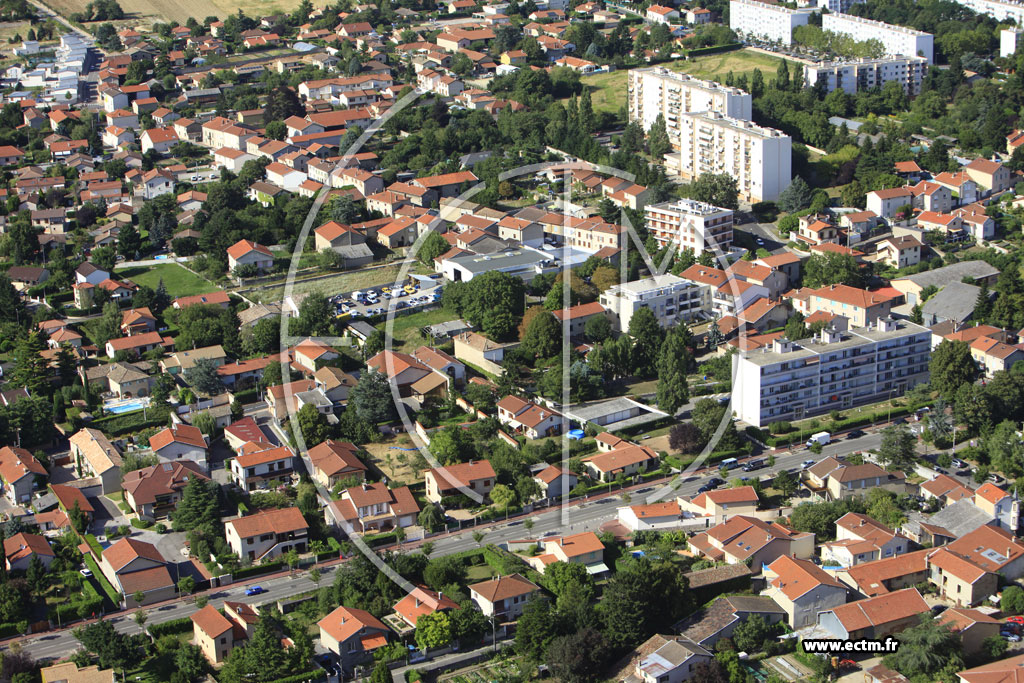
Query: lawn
(717, 67)
(181, 10)
(407, 327)
(178, 281)
(608, 90)
(335, 284)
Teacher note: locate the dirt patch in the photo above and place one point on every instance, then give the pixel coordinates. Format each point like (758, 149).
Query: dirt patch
(396, 464)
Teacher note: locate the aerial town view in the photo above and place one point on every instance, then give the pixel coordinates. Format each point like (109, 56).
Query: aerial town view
(470, 341)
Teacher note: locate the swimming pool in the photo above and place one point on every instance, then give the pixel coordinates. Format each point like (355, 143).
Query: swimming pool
(125, 405)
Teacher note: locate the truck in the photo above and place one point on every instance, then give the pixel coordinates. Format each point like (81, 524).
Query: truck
(822, 438)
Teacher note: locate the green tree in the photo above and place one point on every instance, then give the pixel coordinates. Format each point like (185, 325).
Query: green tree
(433, 245)
(543, 335)
(579, 657)
(372, 399)
(832, 268)
(951, 367)
(718, 189)
(203, 377)
(673, 362)
(796, 197)
(1012, 600)
(647, 337)
(433, 630)
(502, 496)
(897, 449)
(926, 649)
(597, 328)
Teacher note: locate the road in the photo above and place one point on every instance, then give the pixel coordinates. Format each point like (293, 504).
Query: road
(586, 515)
(47, 12)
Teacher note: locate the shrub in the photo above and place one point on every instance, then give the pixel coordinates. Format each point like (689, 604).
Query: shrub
(172, 627)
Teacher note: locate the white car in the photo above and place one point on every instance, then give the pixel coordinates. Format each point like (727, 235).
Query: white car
(806, 464)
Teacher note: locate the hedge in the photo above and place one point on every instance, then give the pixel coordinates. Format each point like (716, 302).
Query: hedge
(114, 596)
(316, 674)
(708, 389)
(172, 627)
(126, 423)
(12, 629)
(800, 436)
(714, 49)
(258, 569)
(141, 523)
(93, 544)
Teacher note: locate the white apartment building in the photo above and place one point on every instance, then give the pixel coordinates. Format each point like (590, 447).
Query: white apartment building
(1009, 39)
(896, 40)
(656, 90)
(689, 223)
(865, 74)
(759, 158)
(839, 5)
(1000, 10)
(671, 298)
(836, 370)
(759, 20)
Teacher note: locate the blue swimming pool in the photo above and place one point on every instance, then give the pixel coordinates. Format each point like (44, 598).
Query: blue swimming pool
(126, 406)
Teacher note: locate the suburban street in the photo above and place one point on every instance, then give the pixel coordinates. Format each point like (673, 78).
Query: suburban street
(585, 515)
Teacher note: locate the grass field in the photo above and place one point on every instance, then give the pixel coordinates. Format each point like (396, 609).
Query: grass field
(407, 327)
(181, 10)
(608, 90)
(342, 282)
(177, 280)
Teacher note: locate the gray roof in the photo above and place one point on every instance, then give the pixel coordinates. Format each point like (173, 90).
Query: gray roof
(354, 251)
(960, 518)
(954, 272)
(513, 259)
(361, 329)
(448, 328)
(955, 301)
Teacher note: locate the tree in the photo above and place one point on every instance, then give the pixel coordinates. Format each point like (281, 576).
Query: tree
(750, 635)
(796, 197)
(114, 649)
(543, 335)
(951, 367)
(925, 649)
(647, 337)
(785, 482)
(832, 268)
(129, 242)
(1005, 449)
(658, 142)
(673, 361)
(685, 438)
(140, 615)
(203, 377)
(316, 317)
(718, 189)
(502, 496)
(430, 518)
(79, 521)
(578, 657)
(433, 244)
(478, 538)
(36, 575)
(641, 598)
(597, 328)
(433, 630)
(186, 585)
(897, 449)
(190, 662)
(372, 399)
(1012, 601)
(536, 628)
(313, 425)
(994, 647)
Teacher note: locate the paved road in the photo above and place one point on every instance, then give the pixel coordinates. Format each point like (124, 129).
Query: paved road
(47, 12)
(586, 515)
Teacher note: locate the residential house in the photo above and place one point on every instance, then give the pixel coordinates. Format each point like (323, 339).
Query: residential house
(721, 504)
(454, 480)
(743, 539)
(336, 461)
(584, 548)
(503, 597)
(352, 635)
(886, 203)
(874, 618)
(973, 626)
(20, 474)
(259, 464)
(132, 567)
(990, 176)
(421, 601)
(93, 454)
(246, 252)
(529, 418)
(883, 576)
(373, 508)
(627, 460)
(20, 548)
(154, 492)
(554, 482)
(181, 442)
(267, 534)
(802, 589)
(665, 659)
(859, 539)
(900, 252)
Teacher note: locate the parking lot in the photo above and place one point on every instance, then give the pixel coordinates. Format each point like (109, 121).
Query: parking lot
(376, 301)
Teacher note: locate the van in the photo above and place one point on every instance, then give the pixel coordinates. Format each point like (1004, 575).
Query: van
(822, 438)
(357, 295)
(754, 465)
(729, 463)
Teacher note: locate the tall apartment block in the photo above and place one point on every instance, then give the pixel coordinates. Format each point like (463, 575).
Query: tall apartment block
(688, 223)
(836, 370)
(1000, 10)
(896, 40)
(671, 298)
(657, 90)
(1009, 39)
(763, 21)
(865, 74)
(759, 158)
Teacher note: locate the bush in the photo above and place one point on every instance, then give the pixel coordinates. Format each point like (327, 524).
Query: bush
(112, 594)
(172, 627)
(141, 523)
(93, 544)
(258, 569)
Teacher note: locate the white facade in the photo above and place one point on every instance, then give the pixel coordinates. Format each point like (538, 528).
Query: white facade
(760, 20)
(759, 158)
(671, 298)
(657, 90)
(689, 223)
(839, 5)
(896, 40)
(998, 9)
(835, 371)
(1009, 39)
(865, 74)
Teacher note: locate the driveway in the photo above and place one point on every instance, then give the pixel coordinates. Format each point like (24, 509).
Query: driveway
(169, 544)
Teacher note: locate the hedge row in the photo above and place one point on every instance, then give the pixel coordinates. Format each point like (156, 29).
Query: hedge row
(313, 675)
(93, 544)
(728, 47)
(172, 627)
(258, 569)
(708, 389)
(800, 436)
(13, 628)
(112, 594)
(126, 423)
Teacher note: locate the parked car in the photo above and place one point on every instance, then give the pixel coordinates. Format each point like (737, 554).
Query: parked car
(957, 462)
(938, 609)
(807, 464)
(254, 590)
(855, 434)
(86, 572)
(995, 478)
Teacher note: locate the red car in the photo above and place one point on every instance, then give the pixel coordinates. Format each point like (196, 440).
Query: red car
(1015, 620)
